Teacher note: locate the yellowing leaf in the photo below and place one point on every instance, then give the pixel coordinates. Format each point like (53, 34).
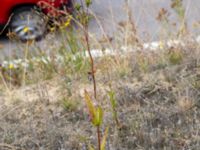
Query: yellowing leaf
(90, 105)
(98, 118)
(91, 147)
(96, 113)
(103, 142)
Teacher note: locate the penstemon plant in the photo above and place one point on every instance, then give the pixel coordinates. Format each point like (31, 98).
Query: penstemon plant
(96, 117)
(95, 112)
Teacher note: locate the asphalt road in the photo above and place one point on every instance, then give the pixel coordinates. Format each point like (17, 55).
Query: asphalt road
(109, 13)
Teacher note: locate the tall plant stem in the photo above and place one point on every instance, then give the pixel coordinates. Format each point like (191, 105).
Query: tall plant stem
(92, 72)
(99, 138)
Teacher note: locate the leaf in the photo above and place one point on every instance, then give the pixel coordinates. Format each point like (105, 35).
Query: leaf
(90, 106)
(91, 147)
(88, 2)
(112, 99)
(96, 113)
(103, 142)
(77, 7)
(97, 121)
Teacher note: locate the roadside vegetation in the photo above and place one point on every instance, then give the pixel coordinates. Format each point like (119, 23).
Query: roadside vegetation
(66, 98)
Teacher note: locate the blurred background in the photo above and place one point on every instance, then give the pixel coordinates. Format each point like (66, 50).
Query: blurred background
(152, 20)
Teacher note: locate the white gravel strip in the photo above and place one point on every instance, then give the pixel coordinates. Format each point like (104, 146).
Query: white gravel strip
(153, 46)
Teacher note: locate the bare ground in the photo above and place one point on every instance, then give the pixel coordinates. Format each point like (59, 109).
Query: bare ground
(158, 97)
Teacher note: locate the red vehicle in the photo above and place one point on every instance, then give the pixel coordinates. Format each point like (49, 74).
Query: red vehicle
(24, 20)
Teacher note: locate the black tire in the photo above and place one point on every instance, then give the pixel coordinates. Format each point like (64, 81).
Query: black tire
(28, 24)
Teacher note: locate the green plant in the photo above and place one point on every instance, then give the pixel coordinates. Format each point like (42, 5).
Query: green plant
(96, 117)
(114, 106)
(85, 22)
(69, 105)
(95, 112)
(175, 57)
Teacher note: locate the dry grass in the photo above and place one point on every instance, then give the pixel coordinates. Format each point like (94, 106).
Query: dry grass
(158, 107)
(157, 95)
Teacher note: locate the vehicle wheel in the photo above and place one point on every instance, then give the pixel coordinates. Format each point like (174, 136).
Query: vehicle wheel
(28, 24)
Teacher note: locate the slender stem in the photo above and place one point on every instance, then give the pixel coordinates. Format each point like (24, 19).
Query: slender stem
(99, 138)
(92, 71)
(92, 65)
(91, 58)
(116, 118)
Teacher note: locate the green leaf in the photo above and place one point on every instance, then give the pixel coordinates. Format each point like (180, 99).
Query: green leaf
(88, 2)
(77, 7)
(175, 57)
(96, 113)
(98, 119)
(90, 106)
(112, 99)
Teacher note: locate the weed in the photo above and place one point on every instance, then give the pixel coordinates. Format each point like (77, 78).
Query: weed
(69, 105)
(114, 107)
(96, 116)
(175, 56)
(95, 112)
